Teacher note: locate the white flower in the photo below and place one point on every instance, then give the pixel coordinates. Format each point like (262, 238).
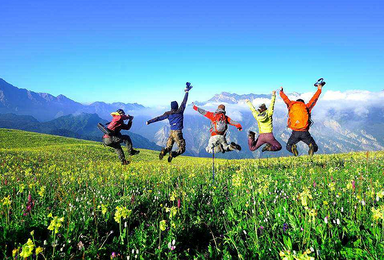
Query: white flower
(338, 221)
(363, 202)
(342, 209)
(326, 220)
(245, 232)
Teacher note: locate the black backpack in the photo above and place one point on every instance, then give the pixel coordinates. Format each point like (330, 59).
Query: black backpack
(104, 129)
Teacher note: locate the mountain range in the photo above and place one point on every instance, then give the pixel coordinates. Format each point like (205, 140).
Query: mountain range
(339, 124)
(82, 126)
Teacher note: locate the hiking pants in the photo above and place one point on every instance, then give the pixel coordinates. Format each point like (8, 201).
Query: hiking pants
(175, 136)
(115, 141)
(266, 138)
(298, 136)
(219, 143)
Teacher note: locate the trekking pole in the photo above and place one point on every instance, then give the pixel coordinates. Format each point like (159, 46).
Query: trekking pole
(213, 164)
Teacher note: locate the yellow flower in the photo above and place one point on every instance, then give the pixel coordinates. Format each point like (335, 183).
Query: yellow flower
(325, 203)
(39, 250)
(122, 212)
(103, 209)
(378, 213)
(32, 232)
(331, 186)
(6, 201)
(172, 210)
(304, 196)
(27, 249)
(163, 225)
(14, 252)
(173, 196)
(42, 191)
(56, 223)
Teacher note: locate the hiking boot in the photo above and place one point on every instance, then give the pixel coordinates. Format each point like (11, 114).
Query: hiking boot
(161, 154)
(171, 156)
(267, 147)
(311, 150)
(294, 150)
(134, 152)
(235, 146)
(125, 162)
(251, 135)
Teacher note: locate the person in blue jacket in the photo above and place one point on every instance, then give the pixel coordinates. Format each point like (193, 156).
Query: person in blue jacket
(176, 120)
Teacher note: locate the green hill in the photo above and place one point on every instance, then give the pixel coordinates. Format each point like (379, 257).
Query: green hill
(74, 200)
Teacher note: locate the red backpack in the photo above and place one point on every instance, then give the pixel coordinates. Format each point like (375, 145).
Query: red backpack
(219, 123)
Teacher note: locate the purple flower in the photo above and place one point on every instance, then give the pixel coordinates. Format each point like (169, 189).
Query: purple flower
(113, 255)
(285, 227)
(314, 184)
(353, 184)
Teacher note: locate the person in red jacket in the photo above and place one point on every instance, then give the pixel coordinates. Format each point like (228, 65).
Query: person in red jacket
(299, 120)
(116, 138)
(219, 126)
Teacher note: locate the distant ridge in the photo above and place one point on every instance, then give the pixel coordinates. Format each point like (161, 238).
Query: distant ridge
(44, 106)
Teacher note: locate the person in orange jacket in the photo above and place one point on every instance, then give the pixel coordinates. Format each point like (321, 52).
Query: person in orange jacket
(219, 126)
(299, 120)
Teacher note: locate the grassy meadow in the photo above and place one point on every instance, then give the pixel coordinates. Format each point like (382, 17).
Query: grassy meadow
(63, 198)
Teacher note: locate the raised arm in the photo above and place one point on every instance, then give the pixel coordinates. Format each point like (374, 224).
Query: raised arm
(271, 107)
(284, 97)
(205, 113)
(184, 103)
(159, 118)
(314, 99)
(234, 123)
(254, 111)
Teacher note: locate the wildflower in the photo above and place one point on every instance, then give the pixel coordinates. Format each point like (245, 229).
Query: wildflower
(172, 210)
(285, 227)
(29, 206)
(113, 255)
(14, 252)
(27, 249)
(6, 201)
(171, 245)
(42, 191)
(326, 220)
(56, 223)
(338, 221)
(378, 213)
(163, 225)
(103, 209)
(38, 250)
(304, 196)
(122, 212)
(178, 203)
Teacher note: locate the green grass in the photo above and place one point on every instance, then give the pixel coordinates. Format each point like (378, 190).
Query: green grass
(327, 207)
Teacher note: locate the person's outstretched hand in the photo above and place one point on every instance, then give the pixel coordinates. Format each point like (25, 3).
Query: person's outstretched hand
(274, 92)
(240, 128)
(281, 89)
(247, 100)
(147, 123)
(319, 86)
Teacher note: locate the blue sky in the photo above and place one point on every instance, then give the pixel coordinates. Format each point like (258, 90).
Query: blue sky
(145, 51)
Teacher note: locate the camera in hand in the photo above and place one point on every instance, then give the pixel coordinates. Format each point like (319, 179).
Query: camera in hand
(320, 82)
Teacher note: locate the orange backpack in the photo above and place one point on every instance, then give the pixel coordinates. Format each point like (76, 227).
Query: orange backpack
(299, 116)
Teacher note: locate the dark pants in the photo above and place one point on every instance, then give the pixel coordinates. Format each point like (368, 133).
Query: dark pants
(298, 136)
(175, 136)
(267, 138)
(115, 141)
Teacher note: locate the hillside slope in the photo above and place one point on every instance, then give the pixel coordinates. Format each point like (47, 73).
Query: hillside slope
(74, 195)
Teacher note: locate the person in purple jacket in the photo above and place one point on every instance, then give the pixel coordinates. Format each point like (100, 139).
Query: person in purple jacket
(176, 120)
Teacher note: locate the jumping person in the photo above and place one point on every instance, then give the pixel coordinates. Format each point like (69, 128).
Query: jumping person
(116, 138)
(263, 117)
(299, 120)
(176, 121)
(219, 127)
